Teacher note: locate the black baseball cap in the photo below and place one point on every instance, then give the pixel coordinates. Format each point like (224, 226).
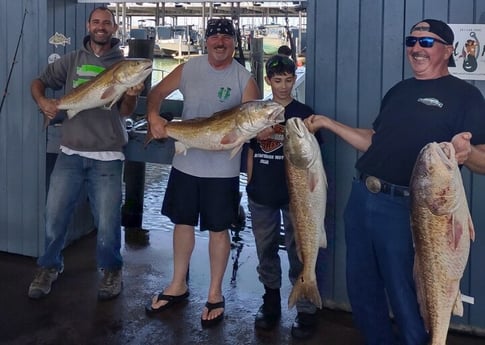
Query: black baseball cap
(439, 28)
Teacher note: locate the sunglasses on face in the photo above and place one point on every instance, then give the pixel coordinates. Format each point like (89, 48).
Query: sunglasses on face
(425, 42)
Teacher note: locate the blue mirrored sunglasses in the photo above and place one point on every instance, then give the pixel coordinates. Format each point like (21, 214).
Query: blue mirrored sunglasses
(425, 42)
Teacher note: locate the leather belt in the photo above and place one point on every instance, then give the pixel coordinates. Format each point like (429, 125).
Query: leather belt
(376, 185)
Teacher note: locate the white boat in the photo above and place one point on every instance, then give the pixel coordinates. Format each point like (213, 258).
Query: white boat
(274, 36)
(142, 33)
(177, 40)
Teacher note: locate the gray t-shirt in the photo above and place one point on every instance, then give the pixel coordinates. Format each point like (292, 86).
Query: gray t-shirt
(207, 91)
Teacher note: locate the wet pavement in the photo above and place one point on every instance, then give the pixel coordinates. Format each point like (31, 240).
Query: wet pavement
(71, 314)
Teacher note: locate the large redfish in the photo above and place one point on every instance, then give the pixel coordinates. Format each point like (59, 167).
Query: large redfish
(307, 187)
(225, 130)
(442, 228)
(107, 87)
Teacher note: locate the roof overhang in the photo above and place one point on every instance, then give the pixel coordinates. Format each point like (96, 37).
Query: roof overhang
(188, 1)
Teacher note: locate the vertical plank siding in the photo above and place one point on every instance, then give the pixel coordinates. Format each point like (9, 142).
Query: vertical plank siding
(20, 160)
(22, 137)
(355, 54)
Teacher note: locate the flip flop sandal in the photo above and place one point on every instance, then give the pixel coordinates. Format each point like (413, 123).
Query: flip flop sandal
(211, 306)
(171, 300)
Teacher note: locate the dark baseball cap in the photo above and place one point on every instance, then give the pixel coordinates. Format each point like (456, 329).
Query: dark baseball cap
(221, 26)
(439, 28)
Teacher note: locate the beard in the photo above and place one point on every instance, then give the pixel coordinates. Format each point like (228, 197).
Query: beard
(104, 41)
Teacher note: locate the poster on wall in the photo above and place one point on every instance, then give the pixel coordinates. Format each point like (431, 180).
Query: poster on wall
(469, 51)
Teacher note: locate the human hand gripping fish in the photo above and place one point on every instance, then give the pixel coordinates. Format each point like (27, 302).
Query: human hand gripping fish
(135, 91)
(48, 106)
(156, 129)
(462, 145)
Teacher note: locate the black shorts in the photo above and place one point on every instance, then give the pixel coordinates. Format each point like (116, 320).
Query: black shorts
(216, 200)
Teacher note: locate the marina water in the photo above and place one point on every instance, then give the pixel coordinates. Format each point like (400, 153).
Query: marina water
(156, 178)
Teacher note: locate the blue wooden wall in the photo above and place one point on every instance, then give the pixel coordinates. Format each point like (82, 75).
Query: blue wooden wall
(355, 54)
(22, 137)
(22, 145)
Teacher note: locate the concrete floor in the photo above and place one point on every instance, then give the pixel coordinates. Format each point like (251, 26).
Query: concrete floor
(71, 314)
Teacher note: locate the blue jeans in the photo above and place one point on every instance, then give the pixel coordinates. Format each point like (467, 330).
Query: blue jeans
(266, 224)
(380, 259)
(103, 182)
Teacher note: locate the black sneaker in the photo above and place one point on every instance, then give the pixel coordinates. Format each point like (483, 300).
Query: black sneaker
(304, 326)
(110, 285)
(267, 316)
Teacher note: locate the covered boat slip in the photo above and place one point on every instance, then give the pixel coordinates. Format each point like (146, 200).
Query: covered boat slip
(354, 55)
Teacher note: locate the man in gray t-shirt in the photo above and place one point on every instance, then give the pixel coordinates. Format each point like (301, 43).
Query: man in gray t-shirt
(202, 184)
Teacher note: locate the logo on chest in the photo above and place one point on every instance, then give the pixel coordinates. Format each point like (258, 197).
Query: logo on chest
(275, 141)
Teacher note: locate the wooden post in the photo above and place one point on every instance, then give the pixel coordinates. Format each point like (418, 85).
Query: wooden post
(134, 172)
(257, 63)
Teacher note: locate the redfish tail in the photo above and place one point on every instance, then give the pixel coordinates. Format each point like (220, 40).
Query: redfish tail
(305, 290)
(458, 305)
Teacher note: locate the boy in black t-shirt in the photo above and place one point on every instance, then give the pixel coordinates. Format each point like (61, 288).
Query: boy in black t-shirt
(268, 203)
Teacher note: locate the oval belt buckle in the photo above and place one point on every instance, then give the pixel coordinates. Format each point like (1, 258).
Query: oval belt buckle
(373, 184)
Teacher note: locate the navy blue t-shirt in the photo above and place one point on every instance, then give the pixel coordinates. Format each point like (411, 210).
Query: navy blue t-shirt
(268, 181)
(415, 112)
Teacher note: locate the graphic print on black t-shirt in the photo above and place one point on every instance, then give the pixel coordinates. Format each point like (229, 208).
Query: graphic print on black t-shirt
(275, 141)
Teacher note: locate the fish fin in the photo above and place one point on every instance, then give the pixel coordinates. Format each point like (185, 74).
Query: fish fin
(235, 151)
(180, 148)
(229, 138)
(297, 241)
(71, 113)
(471, 228)
(323, 237)
(312, 179)
(116, 100)
(298, 252)
(420, 293)
(458, 306)
(108, 93)
(457, 229)
(305, 289)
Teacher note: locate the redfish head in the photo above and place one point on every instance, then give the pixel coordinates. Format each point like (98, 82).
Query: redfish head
(437, 158)
(131, 72)
(300, 146)
(254, 116)
(436, 179)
